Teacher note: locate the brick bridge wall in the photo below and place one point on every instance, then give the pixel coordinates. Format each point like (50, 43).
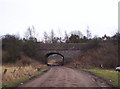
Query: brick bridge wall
(69, 51)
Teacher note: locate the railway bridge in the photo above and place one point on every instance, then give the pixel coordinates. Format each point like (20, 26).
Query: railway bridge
(69, 51)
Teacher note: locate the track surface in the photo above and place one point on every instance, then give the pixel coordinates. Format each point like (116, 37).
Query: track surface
(65, 77)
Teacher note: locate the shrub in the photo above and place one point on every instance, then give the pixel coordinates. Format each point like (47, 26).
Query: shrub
(25, 61)
(92, 44)
(106, 54)
(11, 44)
(30, 48)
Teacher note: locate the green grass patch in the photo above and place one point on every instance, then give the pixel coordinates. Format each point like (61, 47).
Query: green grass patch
(108, 74)
(18, 81)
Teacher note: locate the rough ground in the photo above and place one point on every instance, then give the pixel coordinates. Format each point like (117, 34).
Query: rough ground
(65, 77)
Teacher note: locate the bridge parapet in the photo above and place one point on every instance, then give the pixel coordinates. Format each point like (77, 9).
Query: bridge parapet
(60, 46)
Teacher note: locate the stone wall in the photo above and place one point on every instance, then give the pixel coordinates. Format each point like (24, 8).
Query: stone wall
(69, 51)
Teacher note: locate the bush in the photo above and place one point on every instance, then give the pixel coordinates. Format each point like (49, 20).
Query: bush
(25, 61)
(92, 44)
(39, 57)
(106, 55)
(29, 48)
(11, 44)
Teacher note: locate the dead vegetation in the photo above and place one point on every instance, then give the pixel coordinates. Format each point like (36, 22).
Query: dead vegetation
(24, 67)
(105, 56)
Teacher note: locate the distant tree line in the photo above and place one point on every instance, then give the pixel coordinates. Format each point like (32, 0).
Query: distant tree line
(13, 46)
(77, 37)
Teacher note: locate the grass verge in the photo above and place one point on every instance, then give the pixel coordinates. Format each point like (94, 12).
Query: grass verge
(25, 78)
(110, 75)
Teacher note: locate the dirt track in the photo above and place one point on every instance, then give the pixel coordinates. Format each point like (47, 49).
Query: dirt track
(65, 77)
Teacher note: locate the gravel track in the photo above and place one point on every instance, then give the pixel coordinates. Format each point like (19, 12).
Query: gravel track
(65, 77)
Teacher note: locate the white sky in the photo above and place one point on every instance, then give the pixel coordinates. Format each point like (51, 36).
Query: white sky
(100, 15)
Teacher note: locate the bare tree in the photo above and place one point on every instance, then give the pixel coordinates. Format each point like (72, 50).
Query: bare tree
(46, 37)
(60, 35)
(89, 35)
(52, 36)
(66, 39)
(30, 33)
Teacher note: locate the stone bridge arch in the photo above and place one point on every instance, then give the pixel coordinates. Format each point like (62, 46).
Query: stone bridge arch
(68, 51)
(50, 53)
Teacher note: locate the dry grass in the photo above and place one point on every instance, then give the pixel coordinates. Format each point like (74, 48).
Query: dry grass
(11, 72)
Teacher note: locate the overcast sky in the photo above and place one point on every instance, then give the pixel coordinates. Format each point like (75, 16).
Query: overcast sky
(100, 15)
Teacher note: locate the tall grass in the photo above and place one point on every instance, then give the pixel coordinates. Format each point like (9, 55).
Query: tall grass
(11, 72)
